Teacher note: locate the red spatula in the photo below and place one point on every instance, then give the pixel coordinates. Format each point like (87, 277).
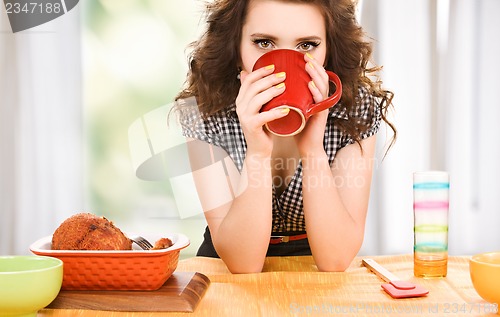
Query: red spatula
(396, 288)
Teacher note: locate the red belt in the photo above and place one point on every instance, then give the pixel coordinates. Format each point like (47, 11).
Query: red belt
(285, 239)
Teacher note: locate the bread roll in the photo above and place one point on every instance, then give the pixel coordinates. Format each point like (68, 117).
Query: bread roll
(85, 231)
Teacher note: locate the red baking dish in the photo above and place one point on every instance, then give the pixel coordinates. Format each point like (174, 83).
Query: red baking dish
(135, 269)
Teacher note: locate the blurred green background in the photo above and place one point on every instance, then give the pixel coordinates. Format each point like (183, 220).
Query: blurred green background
(134, 61)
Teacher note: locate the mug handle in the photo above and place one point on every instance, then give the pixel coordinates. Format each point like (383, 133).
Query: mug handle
(330, 101)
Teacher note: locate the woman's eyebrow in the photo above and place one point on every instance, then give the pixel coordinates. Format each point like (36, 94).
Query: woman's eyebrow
(274, 38)
(309, 38)
(263, 36)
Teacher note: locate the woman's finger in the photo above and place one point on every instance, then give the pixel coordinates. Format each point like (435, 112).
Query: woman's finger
(257, 90)
(318, 76)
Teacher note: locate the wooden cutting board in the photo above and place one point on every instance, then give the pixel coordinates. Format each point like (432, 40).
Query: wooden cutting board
(180, 293)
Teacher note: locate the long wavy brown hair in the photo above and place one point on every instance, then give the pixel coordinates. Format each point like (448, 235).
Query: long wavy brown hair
(215, 57)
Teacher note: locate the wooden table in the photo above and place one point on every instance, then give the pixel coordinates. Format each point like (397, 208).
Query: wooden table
(292, 286)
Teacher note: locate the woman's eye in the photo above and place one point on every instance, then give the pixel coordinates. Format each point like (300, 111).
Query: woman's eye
(264, 44)
(307, 46)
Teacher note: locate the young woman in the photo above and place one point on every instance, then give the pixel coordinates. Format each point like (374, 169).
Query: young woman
(267, 195)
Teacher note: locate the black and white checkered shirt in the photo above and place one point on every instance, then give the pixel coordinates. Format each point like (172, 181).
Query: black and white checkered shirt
(223, 129)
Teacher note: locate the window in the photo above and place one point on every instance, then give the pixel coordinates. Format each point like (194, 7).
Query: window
(134, 55)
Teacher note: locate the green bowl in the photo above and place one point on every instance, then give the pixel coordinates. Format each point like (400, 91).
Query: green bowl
(28, 284)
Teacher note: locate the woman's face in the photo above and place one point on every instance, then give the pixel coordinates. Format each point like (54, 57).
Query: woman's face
(272, 24)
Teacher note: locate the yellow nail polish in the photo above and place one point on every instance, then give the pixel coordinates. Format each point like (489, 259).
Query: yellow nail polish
(280, 85)
(269, 66)
(285, 110)
(309, 55)
(310, 65)
(281, 74)
(313, 84)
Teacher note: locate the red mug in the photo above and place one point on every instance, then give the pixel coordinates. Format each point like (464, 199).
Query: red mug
(296, 96)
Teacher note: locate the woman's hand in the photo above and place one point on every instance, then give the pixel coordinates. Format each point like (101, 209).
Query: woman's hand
(258, 88)
(311, 138)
